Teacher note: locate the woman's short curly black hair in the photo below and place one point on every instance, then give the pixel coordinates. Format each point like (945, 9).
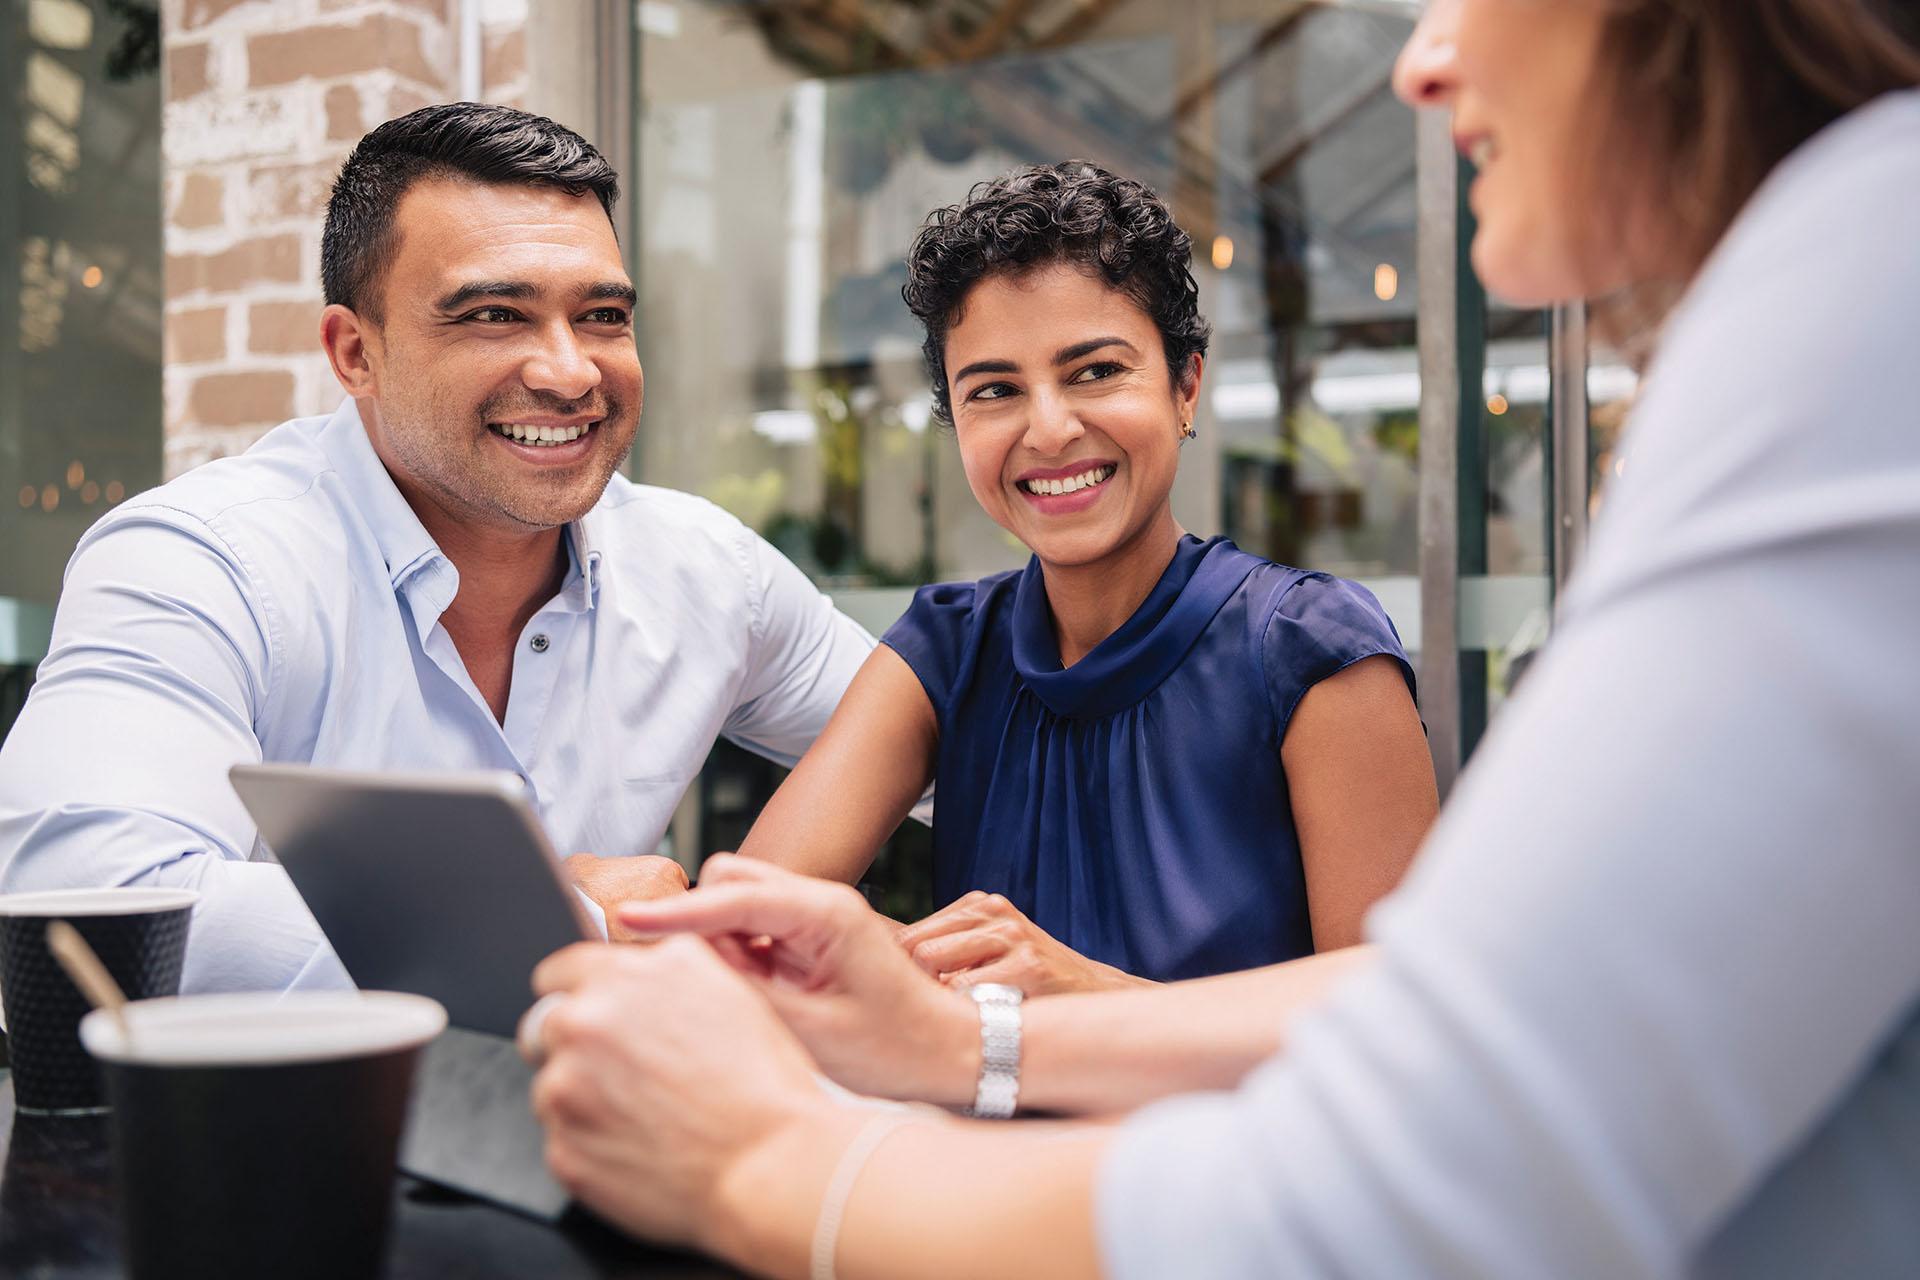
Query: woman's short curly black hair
(1074, 213)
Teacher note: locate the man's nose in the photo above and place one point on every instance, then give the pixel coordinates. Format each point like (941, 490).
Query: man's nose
(1427, 71)
(561, 366)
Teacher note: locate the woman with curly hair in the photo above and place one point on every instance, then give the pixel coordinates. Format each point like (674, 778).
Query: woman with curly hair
(1154, 756)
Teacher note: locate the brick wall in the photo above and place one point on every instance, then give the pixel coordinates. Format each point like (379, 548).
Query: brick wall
(264, 98)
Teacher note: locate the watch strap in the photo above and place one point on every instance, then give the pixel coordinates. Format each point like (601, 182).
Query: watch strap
(998, 1093)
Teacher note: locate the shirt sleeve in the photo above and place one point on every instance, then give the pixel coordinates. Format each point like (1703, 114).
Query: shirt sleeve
(804, 655)
(1320, 626)
(931, 637)
(116, 771)
(1646, 1005)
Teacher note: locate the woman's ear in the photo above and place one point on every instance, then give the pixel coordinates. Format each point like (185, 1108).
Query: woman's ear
(1188, 392)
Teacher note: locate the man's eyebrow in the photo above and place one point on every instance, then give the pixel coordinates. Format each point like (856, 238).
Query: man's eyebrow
(611, 291)
(516, 289)
(1078, 349)
(986, 366)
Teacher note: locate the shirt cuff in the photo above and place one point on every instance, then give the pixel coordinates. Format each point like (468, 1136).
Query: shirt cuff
(595, 912)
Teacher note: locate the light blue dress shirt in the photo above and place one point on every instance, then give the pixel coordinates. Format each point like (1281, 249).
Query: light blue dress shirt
(1647, 1003)
(284, 605)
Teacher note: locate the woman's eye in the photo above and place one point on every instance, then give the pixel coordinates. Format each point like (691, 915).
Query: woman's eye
(992, 391)
(1098, 371)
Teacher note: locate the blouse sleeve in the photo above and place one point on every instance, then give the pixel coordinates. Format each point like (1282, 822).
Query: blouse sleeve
(1320, 626)
(1648, 1003)
(932, 637)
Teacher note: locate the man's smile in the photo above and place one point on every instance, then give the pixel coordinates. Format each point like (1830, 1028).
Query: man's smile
(542, 434)
(548, 443)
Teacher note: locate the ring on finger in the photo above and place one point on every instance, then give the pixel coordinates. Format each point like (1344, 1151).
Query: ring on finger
(530, 1037)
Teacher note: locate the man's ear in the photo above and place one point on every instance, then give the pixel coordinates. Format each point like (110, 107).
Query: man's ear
(346, 338)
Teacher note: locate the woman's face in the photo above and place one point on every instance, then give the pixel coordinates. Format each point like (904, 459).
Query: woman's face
(1060, 383)
(1516, 76)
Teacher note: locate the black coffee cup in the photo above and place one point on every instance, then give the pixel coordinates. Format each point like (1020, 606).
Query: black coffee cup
(255, 1135)
(141, 937)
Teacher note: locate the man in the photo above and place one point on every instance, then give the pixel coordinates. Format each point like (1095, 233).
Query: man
(447, 573)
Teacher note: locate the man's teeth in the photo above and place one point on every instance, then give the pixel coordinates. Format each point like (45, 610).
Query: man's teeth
(529, 434)
(1072, 484)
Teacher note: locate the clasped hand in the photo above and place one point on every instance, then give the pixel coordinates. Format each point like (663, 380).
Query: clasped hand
(984, 938)
(612, 881)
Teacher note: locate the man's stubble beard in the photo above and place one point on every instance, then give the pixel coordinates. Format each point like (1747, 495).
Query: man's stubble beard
(450, 461)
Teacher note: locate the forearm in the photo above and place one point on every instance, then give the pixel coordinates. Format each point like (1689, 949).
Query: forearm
(1113, 1051)
(1106, 1052)
(791, 832)
(251, 929)
(937, 1199)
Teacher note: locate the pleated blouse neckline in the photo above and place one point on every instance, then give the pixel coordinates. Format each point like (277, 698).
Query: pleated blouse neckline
(1131, 663)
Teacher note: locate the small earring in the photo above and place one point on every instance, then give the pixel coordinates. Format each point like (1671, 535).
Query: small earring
(1187, 432)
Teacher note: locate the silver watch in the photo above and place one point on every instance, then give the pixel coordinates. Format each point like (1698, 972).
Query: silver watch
(999, 1089)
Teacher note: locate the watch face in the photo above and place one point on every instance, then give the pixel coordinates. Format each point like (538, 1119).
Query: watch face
(996, 993)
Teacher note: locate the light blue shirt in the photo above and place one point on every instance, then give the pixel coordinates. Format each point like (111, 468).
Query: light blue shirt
(1647, 1004)
(285, 605)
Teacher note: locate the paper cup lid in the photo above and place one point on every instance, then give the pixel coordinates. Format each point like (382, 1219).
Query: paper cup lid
(73, 903)
(264, 1028)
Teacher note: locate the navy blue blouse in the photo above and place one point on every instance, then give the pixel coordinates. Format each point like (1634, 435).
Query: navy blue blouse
(1133, 805)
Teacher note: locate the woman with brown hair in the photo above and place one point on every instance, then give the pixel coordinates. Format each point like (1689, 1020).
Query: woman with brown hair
(1649, 1002)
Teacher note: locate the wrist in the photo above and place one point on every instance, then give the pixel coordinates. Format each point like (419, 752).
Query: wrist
(761, 1213)
(1113, 979)
(949, 1069)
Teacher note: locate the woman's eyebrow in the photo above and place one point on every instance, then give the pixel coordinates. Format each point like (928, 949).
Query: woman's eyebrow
(1062, 356)
(987, 366)
(1078, 349)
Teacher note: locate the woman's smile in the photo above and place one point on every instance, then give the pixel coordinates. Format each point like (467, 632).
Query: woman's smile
(1058, 491)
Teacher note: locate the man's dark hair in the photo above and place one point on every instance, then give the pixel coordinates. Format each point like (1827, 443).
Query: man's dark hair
(467, 140)
(1074, 214)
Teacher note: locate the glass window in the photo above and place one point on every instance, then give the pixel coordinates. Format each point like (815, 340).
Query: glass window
(80, 264)
(787, 154)
(787, 157)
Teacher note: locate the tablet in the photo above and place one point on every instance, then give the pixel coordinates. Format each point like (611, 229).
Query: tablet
(444, 885)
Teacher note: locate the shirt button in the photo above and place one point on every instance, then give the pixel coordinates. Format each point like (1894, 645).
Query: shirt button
(539, 642)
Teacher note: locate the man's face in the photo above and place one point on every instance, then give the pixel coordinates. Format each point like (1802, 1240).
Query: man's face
(505, 384)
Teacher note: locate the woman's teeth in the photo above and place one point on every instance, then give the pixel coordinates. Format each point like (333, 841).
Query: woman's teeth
(1072, 484)
(1482, 152)
(526, 434)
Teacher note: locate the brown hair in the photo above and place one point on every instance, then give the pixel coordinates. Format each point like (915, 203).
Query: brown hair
(1705, 97)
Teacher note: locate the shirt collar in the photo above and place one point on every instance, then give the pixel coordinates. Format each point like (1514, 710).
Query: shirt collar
(584, 547)
(404, 542)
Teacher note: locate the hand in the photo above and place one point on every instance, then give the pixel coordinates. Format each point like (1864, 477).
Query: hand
(832, 970)
(664, 1073)
(612, 881)
(984, 938)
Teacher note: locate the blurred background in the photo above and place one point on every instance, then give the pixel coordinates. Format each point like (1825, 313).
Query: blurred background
(1368, 410)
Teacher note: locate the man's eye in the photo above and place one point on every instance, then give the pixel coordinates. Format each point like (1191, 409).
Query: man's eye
(493, 315)
(607, 315)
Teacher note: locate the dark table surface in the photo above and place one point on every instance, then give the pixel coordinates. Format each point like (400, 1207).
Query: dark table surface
(58, 1219)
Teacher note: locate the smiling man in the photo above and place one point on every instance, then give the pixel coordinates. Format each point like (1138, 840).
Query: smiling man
(446, 573)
